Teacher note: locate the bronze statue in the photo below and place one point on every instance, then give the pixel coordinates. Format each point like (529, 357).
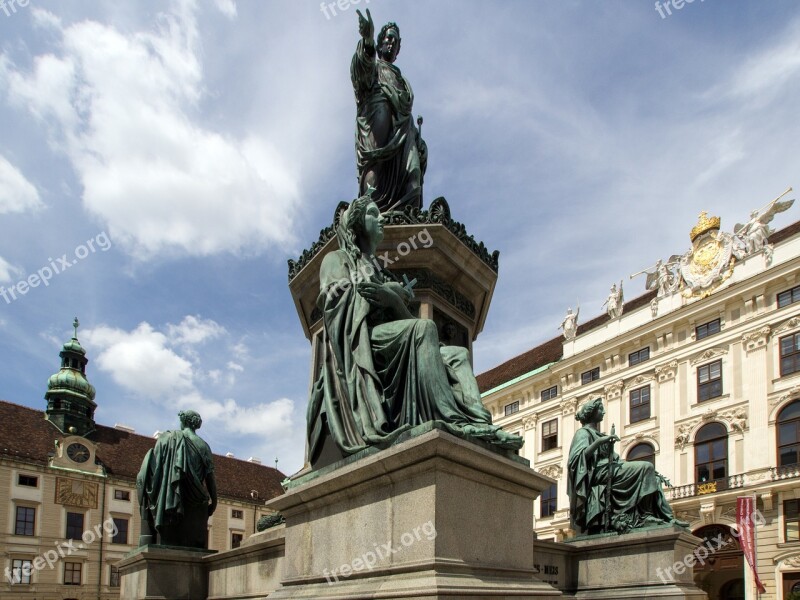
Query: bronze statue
(382, 369)
(176, 487)
(606, 493)
(392, 157)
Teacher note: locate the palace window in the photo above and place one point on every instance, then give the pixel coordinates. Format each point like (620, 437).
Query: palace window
(707, 329)
(237, 513)
(789, 297)
(21, 569)
(644, 452)
(790, 354)
(28, 480)
(122, 495)
(236, 539)
(791, 520)
(548, 501)
(25, 521)
(709, 381)
(72, 573)
(711, 454)
(550, 435)
(640, 404)
(74, 526)
(549, 393)
(789, 435)
(511, 408)
(590, 376)
(121, 537)
(634, 358)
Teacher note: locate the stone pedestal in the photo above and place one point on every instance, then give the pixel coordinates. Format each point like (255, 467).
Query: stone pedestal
(432, 517)
(636, 565)
(164, 573)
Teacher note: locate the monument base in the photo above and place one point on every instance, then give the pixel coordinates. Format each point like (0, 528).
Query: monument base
(164, 573)
(432, 517)
(636, 565)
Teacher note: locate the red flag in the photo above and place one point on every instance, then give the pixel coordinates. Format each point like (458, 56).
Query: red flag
(745, 513)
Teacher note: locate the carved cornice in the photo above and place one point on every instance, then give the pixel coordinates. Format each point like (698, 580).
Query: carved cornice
(709, 354)
(788, 324)
(642, 436)
(795, 391)
(752, 340)
(569, 406)
(639, 381)
(530, 422)
(736, 420)
(667, 371)
(552, 471)
(613, 390)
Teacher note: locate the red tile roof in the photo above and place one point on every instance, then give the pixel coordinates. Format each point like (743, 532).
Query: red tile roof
(26, 435)
(551, 351)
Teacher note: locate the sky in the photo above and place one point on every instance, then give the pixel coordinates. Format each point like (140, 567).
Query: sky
(163, 160)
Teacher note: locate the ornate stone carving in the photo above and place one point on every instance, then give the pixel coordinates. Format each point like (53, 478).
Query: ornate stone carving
(753, 340)
(788, 324)
(437, 214)
(552, 471)
(784, 397)
(530, 422)
(569, 406)
(613, 390)
(737, 418)
(640, 380)
(642, 436)
(667, 371)
(793, 562)
(684, 435)
(709, 354)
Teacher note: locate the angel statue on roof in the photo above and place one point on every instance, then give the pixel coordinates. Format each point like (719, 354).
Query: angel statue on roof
(753, 236)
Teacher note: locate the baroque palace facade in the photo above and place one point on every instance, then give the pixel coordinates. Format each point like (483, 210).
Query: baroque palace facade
(703, 381)
(68, 486)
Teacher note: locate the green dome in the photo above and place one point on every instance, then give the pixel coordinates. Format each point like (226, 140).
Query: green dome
(70, 382)
(74, 346)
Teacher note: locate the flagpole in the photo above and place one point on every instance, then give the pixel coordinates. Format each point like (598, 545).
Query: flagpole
(755, 545)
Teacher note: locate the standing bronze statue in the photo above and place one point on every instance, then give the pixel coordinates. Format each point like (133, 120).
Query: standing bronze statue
(382, 369)
(176, 487)
(392, 157)
(606, 493)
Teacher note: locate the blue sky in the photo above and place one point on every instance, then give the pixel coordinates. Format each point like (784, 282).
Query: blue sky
(201, 145)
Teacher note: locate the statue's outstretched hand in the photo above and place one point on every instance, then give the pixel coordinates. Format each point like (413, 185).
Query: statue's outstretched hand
(379, 294)
(366, 28)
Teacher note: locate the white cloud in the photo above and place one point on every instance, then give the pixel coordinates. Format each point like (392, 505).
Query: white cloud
(7, 271)
(227, 8)
(17, 194)
(143, 364)
(235, 366)
(194, 330)
(123, 107)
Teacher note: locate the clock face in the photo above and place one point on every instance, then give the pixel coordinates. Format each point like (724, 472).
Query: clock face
(78, 452)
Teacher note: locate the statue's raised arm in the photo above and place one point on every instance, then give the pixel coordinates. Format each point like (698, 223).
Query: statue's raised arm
(391, 155)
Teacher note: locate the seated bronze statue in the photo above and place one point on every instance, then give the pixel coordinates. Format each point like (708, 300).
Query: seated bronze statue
(176, 487)
(606, 493)
(383, 370)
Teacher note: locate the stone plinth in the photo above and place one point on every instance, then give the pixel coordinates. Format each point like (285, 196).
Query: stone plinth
(163, 572)
(431, 517)
(253, 570)
(636, 565)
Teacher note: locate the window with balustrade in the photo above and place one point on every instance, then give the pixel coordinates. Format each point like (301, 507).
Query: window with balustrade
(789, 435)
(711, 458)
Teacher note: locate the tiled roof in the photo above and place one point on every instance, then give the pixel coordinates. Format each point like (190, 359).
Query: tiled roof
(26, 435)
(551, 351)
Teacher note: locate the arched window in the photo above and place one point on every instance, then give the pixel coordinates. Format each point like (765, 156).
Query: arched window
(789, 435)
(711, 454)
(643, 451)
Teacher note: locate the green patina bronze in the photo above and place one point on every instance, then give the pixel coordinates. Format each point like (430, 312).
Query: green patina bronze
(176, 487)
(382, 370)
(608, 494)
(392, 157)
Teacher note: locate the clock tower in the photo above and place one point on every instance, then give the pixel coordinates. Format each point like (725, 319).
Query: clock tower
(70, 396)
